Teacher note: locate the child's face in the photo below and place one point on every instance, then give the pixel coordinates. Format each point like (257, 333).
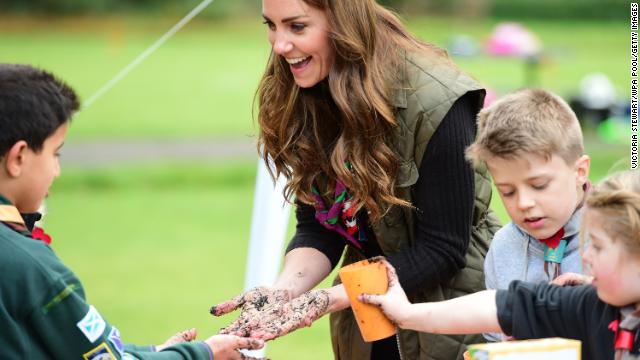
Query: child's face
(39, 171)
(616, 272)
(539, 195)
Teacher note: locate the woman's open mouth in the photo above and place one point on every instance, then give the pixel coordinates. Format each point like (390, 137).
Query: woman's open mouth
(298, 64)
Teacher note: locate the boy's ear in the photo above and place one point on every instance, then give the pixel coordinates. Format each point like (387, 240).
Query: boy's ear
(582, 169)
(14, 158)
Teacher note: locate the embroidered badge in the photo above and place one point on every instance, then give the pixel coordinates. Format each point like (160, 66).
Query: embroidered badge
(92, 325)
(100, 352)
(114, 338)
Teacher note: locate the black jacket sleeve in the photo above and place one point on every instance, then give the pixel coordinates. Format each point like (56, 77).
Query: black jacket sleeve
(310, 233)
(533, 311)
(444, 200)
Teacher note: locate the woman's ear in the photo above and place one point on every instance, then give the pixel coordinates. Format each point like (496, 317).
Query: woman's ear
(14, 159)
(582, 169)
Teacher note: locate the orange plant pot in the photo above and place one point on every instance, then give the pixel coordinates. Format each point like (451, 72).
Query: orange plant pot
(367, 277)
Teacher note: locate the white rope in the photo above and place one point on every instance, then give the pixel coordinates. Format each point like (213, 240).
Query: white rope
(106, 87)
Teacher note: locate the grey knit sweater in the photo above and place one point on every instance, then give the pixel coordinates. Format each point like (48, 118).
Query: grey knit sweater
(516, 255)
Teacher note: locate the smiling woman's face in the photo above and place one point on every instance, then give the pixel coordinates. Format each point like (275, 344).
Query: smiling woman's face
(300, 33)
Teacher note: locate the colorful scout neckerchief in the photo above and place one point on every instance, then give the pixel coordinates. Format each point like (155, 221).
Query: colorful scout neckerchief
(626, 330)
(553, 253)
(555, 245)
(10, 215)
(341, 217)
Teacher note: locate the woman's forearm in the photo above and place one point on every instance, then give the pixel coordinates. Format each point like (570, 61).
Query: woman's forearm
(338, 299)
(304, 268)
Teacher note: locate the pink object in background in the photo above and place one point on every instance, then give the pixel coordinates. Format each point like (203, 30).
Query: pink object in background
(512, 39)
(490, 97)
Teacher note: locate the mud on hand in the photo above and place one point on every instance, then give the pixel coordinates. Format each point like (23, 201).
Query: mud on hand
(253, 304)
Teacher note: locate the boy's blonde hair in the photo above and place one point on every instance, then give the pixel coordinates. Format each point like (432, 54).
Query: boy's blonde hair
(617, 198)
(527, 121)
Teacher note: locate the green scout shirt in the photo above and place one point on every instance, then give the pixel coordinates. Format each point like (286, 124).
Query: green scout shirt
(43, 310)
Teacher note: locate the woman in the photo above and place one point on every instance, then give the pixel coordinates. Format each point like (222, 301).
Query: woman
(369, 126)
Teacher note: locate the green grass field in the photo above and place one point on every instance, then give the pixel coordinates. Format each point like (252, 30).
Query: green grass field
(156, 246)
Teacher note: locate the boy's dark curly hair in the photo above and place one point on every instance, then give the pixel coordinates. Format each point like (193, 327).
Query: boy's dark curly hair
(33, 105)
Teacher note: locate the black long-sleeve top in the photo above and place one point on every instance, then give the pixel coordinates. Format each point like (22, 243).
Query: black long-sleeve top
(534, 311)
(444, 201)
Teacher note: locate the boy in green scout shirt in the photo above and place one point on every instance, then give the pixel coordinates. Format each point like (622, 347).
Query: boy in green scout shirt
(43, 310)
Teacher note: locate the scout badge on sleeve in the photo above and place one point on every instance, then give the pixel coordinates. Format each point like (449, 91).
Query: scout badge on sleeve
(92, 324)
(100, 352)
(114, 338)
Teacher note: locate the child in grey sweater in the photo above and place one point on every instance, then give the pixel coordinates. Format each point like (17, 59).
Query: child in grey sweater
(604, 316)
(531, 142)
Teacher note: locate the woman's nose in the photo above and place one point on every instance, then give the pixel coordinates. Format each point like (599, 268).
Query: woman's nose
(282, 44)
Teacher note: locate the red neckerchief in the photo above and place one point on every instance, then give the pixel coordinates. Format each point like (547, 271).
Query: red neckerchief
(625, 331)
(39, 234)
(11, 217)
(623, 339)
(554, 240)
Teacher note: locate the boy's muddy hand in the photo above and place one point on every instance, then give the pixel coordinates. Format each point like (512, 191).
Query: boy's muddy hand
(394, 303)
(253, 305)
(300, 312)
(183, 336)
(225, 347)
(572, 279)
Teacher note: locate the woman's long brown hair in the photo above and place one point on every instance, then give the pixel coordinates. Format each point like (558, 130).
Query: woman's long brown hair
(308, 134)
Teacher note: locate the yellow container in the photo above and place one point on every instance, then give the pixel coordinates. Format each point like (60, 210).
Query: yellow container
(551, 348)
(367, 277)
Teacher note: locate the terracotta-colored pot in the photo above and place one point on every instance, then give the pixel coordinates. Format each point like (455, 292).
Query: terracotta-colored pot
(367, 277)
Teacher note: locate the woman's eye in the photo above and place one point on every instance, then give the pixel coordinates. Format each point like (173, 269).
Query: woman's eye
(507, 194)
(296, 27)
(269, 24)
